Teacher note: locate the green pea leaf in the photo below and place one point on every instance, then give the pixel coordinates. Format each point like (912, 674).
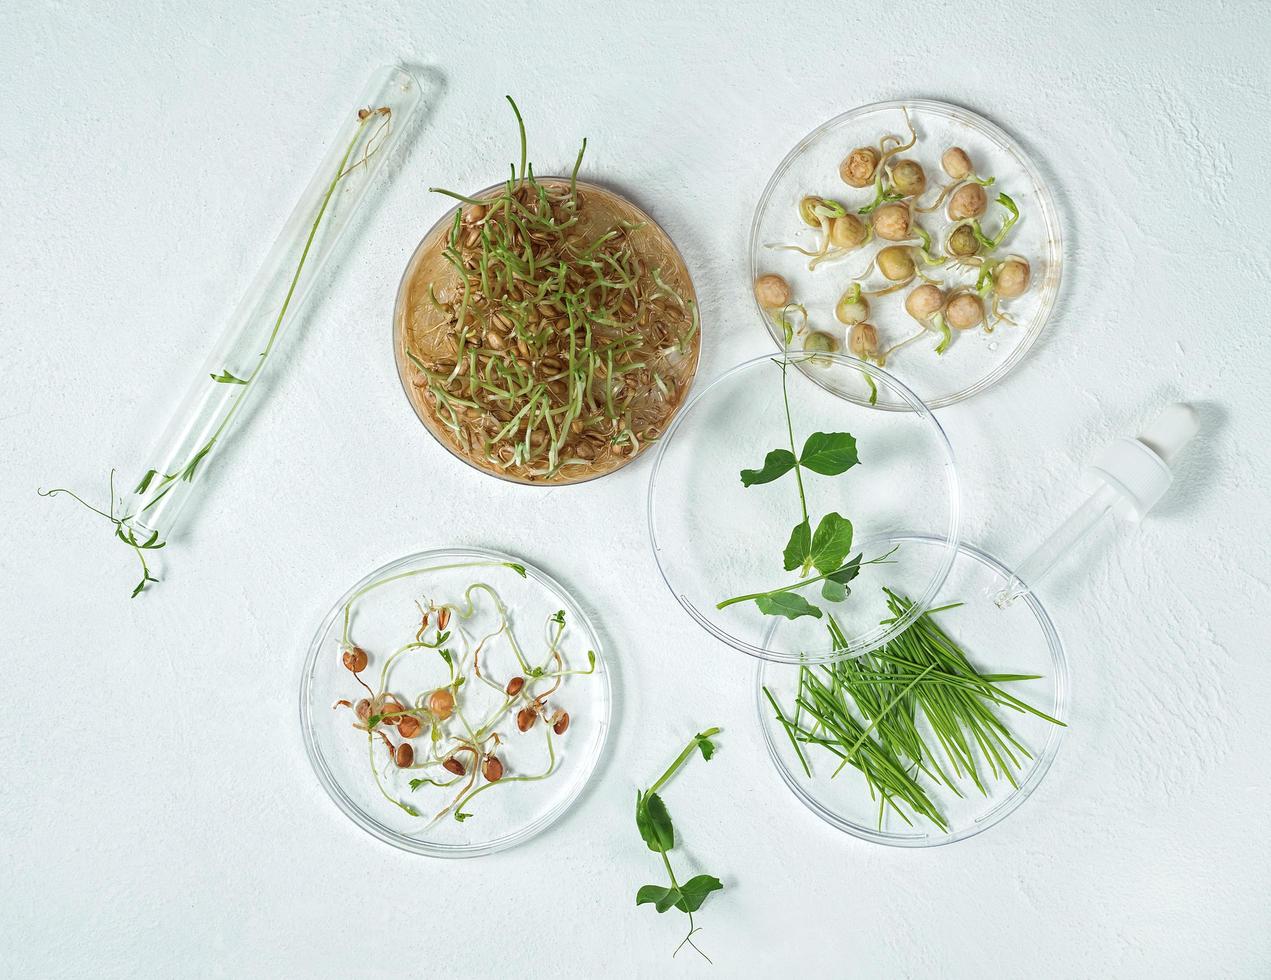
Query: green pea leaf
(829, 453)
(705, 744)
(831, 543)
(694, 891)
(835, 587)
(226, 378)
(661, 897)
(654, 823)
(799, 547)
(776, 464)
(791, 605)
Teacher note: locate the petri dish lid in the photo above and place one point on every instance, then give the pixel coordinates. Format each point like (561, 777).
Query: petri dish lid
(383, 618)
(1019, 639)
(714, 539)
(975, 360)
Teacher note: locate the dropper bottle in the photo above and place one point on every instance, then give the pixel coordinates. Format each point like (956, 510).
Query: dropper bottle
(1127, 478)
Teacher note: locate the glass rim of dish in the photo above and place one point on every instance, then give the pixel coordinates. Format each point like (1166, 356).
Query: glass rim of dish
(1050, 215)
(446, 219)
(880, 634)
(405, 842)
(1042, 761)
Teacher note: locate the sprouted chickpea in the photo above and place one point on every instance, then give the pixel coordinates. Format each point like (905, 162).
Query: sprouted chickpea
(962, 243)
(772, 291)
(857, 168)
(1010, 279)
(462, 757)
(840, 232)
(819, 342)
(892, 222)
(968, 201)
(908, 177)
(925, 304)
(813, 210)
(956, 163)
(848, 232)
(1007, 278)
(852, 308)
(964, 310)
(863, 165)
(862, 341)
(896, 263)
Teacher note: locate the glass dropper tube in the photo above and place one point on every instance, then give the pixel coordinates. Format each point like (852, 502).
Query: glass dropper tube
(232, 375)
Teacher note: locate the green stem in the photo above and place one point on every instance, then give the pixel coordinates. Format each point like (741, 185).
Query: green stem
(798, 470)
(682, 758)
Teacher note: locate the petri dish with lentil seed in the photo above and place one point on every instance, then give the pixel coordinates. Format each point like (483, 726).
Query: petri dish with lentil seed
(548, 334)
(455, 702)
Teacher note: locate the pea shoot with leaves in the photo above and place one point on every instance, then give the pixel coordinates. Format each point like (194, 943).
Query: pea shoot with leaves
(657, 831)
(823, 549)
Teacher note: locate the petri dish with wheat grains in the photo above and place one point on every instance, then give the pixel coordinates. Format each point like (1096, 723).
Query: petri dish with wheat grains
(549, 353)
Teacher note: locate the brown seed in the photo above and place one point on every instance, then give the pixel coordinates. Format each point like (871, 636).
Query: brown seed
(453, 765)
(443, 618)
(525, 719)
(362, 709)
(390, 712)
(404, 755)
(514, 686)
(492, 769)
(475, 213)
(857, 169)
(562, 723)
(355, 659)
(408, 726)
(772, 291)
(441, 703)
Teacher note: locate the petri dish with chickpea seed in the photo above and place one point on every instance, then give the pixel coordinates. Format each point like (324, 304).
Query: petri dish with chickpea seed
(559, 364)
(455, 702)
(915, 235)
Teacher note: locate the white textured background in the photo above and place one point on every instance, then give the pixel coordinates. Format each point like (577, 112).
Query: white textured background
(157, 814)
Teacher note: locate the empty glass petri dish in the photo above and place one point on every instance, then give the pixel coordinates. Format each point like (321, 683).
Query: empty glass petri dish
(975, 359)
(718, 543)
(1020, 639)
(543, 773)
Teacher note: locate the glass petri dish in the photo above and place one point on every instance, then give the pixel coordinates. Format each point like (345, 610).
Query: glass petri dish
(384, 617)
(976, 359)
(415, 320)
(1020, 639)
(715, 539)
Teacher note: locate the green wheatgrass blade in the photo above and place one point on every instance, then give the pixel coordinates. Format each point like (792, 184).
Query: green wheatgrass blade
(896, 713)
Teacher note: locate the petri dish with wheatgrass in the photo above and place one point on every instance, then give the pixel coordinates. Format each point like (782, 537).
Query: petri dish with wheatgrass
(579, 336)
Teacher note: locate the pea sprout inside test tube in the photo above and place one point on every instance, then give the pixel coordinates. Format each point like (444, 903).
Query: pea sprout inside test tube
(149, 509)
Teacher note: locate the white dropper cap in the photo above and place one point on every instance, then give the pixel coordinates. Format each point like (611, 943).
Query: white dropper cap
(1138, 470)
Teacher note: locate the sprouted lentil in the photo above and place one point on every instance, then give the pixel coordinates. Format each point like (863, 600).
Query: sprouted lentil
(464, 737)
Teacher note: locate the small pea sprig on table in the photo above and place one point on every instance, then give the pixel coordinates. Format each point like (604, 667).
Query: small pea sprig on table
(462, 752)
(654, 823)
